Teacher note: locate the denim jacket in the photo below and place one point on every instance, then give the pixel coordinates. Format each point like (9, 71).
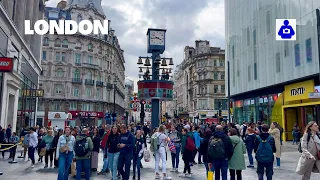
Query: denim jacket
(63, 141)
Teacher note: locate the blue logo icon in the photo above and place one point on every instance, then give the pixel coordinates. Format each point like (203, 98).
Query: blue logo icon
(286, 29)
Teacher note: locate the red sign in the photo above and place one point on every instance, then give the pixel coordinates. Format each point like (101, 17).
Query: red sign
(143, 102)
(212, 120)
(6, 64)
(152, 92)
(90, 114)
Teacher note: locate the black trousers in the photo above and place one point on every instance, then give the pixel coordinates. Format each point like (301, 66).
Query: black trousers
(49, 153)
(13, 152)
(233, 174)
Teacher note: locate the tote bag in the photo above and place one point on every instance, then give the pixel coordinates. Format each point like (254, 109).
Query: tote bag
(210, 175)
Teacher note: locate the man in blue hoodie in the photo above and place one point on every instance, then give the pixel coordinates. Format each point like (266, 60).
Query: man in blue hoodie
(125, 145)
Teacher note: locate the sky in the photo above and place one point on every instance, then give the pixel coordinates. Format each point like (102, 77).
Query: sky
(185, 20)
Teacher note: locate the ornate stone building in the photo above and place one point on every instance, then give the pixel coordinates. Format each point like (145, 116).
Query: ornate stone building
(80, 72)
(200, 81)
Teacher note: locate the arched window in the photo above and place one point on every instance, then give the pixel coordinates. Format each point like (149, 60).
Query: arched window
(90, 47)
(76, 74)
(79, 18)
(59, 72)
(45, 41)
(65, 43)
(89, 75)
(57, 43)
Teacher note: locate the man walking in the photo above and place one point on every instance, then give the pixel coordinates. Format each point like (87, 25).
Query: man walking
(104, 140)
(264, 148)
(33, 142)
(125, 145)
(82, 151)
(220, 152)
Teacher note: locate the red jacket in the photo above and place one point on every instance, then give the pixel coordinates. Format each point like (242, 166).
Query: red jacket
(105, 139)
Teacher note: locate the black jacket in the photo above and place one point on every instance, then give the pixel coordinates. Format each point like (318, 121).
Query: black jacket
(204, 148)
(113, 142)
(96, 143)
(55, 141)
(250, 140)
(264, 136)
(228, 147)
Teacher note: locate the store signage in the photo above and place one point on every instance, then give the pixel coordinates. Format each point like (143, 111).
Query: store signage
(314, 95)
(57, 115)
(298, 91)
(6, 64)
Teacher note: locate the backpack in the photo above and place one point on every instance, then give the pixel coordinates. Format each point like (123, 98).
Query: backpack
(80, 148)
(190, 145)
(154, 143)
(216, 149)
(264, 152)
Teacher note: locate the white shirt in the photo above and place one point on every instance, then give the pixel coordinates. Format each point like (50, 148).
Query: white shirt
(33, 139)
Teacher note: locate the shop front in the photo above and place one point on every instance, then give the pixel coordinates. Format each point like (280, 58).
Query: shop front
(301, 105)
(87, 118)
(58, 119)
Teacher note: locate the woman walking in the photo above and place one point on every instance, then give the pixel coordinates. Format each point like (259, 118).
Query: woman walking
(249, 141)
(64, 153)
(54, 146)
(295, 134)
(95, 151)
(310, 144)
(204, 148)
(47, 140)
(186, 154)
(113, 151)
(176, 139)
(236, 163)
(161, 152)
(275, 133)
(137, 154)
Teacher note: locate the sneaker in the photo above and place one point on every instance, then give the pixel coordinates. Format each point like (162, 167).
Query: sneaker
(157, 176)
(51, 165)
(133, 178)
(101, 172)
(183, 175)
(32, 165)
(46, 166)
(177, 170)
(250, 166)
(173, 170)
(276, 167)
(108, 171)
(166, 177)
(188, 175)
(1, 172)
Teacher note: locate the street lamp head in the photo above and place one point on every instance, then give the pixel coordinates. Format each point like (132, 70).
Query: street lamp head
(140, 61)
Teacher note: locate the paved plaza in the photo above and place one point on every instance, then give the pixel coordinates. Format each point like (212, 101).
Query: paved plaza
(23, 171)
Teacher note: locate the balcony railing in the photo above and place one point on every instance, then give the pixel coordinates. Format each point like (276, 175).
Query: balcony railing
(79, 48)
(90, 50)
(89, 82)
(65, 46)
(57, 45)
(91, 66)
(77, 80)
(77, 64)
(99, 83)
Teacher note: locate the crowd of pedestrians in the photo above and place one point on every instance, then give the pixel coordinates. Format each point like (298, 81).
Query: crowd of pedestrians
(220, 147)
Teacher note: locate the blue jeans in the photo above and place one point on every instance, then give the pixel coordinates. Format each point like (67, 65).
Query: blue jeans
(83, 164)
(175, 157)
(105, 166)
(136, 165)
(207, 167)
(269, 170)
(30, 153)
(220, 166)
(125, 161)
(65, 160)
(250, 156)
(295, 137)
(113, 163)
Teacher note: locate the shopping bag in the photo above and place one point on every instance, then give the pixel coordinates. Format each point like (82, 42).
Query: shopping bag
(43, 152)
(73, 169)
(210, 175)
(146, 155)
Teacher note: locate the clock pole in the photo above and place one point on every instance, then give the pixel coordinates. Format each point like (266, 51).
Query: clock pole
(155, 111)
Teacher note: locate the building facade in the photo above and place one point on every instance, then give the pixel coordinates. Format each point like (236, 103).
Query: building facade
(17, 105)
(200, 82)
(81, 72)
(266, 75)
(129, 90)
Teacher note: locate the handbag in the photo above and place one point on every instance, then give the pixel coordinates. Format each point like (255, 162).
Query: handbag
(210, 175)
(318, 153)
(65, 147)
(42, 152)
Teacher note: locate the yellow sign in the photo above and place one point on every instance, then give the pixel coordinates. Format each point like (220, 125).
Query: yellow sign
(298, 91)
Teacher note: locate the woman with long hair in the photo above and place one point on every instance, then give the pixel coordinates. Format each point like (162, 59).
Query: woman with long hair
(95, 151)
(113, 151)
(236, 163)
(175, 138)
(204, 147)
(64, 153)
(310, 144)
(47, 140)
(54, 146)
(161, 152)
(275, 133)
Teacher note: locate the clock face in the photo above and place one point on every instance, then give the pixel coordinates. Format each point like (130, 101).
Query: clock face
(157, 38)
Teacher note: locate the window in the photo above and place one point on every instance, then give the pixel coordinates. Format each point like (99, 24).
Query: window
(100, 108)
(90, 47)
(58, 89)
(78, 45)
(222, 74)
(65, 43)
(286, 49)
(248, 36)
(44, 55)
(59, 72)
(309, 50)
(204, 90)
(254, 37)
(221, 63)
(249, 73)
(223, 89)
(215, 89)
(57, 43)
(73, 106)
(89, 75)
(297, 54)
(268, 19)
(278, 62)
(214, 62)
(84, 107)
(57, 106)
(57, 56)
(232, 51)
(76, 74)
(255, 73)
(63, 56)
(89, 59)
(99, 78)
(88, 92)
(76, 92)
(78, 58)
(45, 41)
(215, 75)
(98, 93)
(221, 104)
(100, 50)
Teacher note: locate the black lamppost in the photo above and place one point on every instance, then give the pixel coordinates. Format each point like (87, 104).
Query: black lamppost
(114, 100)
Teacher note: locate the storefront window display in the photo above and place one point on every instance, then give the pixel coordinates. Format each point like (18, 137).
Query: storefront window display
(249, 110)
(238, 114)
